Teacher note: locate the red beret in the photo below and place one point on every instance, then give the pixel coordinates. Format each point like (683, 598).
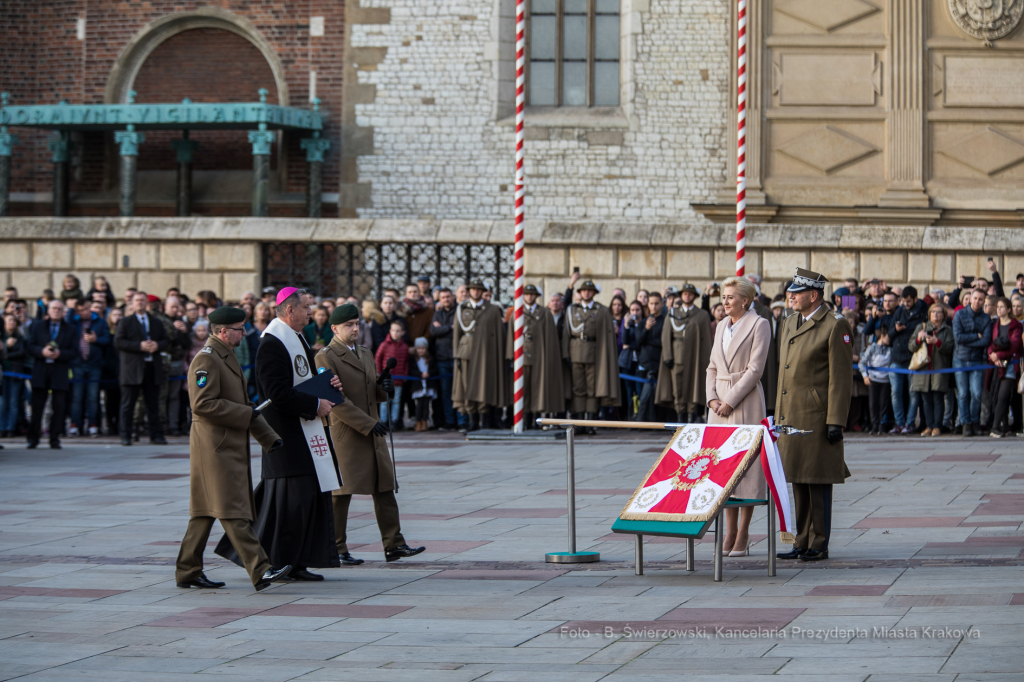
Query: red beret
(152, 298)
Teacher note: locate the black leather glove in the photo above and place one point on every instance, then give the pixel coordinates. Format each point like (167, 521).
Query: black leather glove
(387, 383)
(255, 415)
(669, 362)
(278, 444)
(458, 363)
(379, 429)
(835, 434)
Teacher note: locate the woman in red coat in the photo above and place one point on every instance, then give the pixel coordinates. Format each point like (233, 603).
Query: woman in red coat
(1005, 353)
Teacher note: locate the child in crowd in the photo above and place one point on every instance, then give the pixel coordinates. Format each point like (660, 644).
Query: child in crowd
(394, 346)
(427, 390)
(878, 355)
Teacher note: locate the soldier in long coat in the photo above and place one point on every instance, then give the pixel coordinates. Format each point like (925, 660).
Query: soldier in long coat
(478, 338)
(589, 344)
(542, 358)
(359, 437)
(221, 479)
(686, 341)
(815, 381)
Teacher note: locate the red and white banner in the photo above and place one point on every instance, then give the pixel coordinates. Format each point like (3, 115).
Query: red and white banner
(771, 462)
(696, 473)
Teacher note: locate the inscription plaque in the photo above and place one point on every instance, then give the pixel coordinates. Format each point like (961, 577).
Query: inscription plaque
(984, 82)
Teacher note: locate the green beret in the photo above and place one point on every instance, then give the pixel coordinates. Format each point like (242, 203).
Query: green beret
(343, 314)
(226, 315)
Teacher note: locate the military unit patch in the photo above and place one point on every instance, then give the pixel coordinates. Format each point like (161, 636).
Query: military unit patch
(200, 378)
(846, 338)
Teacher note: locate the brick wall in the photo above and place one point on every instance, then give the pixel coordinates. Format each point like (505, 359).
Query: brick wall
(42, 62)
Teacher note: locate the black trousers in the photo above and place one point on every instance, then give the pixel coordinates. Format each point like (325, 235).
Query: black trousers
(934, 405)
(1000, 418)
(880, 397)
(151, 395)
(422, 409)
(60, 406)
(813, 506)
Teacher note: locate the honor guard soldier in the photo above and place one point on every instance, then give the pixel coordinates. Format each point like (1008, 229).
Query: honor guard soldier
(480, 380)
(221, 478)
(686, 341)
(815, 381)
(589, 345)
(542, 358)
(358, 435)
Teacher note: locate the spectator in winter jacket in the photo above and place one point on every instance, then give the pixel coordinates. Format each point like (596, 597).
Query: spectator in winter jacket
(882, 315)
(1004, 352)
(441, 330)
(901, 328)
(972, 333)
(937, 336)
(380, 330)
(93, 340)
(394, 346)
(649, 351)
(873, 363)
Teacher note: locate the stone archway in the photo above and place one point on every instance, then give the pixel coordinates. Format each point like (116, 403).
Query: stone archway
(134, 54)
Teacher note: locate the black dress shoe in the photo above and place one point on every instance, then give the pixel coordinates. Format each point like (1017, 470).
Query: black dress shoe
(32, 445)
(159, 440)
(794, 553)
(126, 441)
(202, 582)
(304, 574)
(272, 575)
(402, 552)
(349, 560)
(55, 445)
(814, 555)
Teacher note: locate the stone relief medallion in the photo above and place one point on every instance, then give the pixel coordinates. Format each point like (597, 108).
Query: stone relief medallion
(986, 20)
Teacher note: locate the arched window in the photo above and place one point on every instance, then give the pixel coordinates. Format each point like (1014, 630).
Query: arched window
(573, 53)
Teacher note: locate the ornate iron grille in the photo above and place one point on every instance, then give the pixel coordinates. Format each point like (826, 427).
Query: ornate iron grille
(365, 270)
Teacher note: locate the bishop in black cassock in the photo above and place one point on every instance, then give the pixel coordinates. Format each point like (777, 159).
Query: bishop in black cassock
(294, 519)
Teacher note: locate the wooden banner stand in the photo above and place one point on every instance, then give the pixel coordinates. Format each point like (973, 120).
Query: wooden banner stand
(691, 530)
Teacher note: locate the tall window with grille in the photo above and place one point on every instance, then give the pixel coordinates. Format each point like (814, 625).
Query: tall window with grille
(573, 50)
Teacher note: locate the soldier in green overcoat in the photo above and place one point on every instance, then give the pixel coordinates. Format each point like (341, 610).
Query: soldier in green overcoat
(815, 382)
(220, 470)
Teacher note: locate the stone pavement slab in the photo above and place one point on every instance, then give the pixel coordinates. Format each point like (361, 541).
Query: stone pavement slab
(924, 583)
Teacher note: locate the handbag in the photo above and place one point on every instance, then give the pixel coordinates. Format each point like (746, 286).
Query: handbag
(625, 358)
(920, 358)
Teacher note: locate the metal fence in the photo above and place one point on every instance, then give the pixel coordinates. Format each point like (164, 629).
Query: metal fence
(365, 270)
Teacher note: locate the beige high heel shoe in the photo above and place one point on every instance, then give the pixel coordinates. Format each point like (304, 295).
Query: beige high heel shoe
(741, 552)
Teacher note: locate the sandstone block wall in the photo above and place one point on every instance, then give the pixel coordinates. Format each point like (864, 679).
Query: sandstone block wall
(225, 254)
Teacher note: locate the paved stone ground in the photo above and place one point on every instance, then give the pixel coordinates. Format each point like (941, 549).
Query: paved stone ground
(926, 581)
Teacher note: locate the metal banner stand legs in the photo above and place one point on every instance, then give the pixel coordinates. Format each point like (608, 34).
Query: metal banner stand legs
(572, 556)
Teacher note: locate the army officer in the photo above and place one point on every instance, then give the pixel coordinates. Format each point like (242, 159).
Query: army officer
(221, 478)
(358, 435)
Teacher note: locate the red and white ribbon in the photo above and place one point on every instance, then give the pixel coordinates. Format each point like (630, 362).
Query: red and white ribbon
(517, 362)
(741, 139)
(771, 462)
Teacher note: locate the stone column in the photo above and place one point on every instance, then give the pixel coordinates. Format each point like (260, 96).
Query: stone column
(261, 140)
(7, 142)
(315, 148)
(129, 141)
(60, 146)
(184, 148)
(905, 127)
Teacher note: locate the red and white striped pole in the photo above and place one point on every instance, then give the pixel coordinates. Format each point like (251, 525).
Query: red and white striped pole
(741, 139)
(517, 419)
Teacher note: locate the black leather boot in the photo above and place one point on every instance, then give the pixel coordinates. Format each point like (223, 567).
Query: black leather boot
(474, 422)
(591, 416)
(682, 418)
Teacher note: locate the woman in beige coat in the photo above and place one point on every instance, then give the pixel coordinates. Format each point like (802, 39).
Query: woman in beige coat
(735, 396)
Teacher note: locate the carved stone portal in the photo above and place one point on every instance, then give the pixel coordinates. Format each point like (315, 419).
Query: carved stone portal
(986, 20)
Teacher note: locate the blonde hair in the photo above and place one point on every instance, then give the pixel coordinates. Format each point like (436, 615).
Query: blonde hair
(743, 287)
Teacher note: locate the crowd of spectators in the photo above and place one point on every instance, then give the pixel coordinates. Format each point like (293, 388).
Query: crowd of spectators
(898, 333)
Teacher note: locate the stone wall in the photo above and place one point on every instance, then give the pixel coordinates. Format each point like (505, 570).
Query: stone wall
(442, 129)
(224, 254)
